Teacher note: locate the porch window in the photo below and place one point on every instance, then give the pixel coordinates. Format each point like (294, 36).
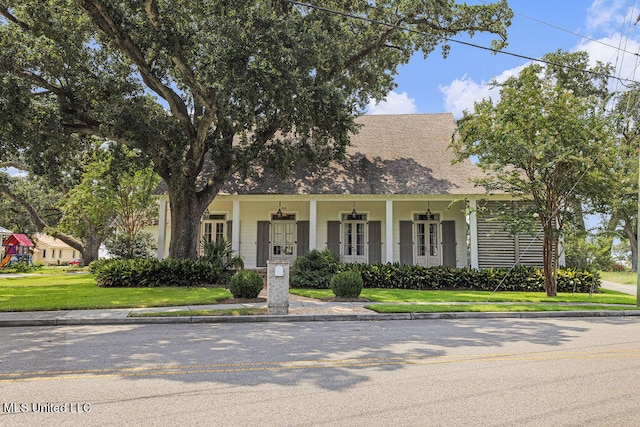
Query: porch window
(213, 228)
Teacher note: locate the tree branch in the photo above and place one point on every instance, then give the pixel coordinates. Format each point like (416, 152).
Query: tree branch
(39, 222)
(106, 23)
(202, 97)
(4, 11)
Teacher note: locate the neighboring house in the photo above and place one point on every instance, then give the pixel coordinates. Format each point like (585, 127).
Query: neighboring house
(52, 251)
(396, 198)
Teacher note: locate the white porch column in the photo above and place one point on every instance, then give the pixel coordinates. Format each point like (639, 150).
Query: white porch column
(162, 228)
(473, 231)
(313, 224)
(235, 227)
(389, 230)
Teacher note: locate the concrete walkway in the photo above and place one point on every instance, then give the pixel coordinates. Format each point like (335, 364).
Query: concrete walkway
(301, 309)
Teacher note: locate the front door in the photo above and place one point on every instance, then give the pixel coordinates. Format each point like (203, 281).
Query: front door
(283, 238)
(354, 238)
(428, 240)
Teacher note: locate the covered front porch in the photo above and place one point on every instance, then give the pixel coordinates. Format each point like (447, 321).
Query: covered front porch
(408, 229)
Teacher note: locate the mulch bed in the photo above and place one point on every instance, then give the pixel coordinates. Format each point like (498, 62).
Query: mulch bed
(339, 299)
(241, 300)
(252, 300)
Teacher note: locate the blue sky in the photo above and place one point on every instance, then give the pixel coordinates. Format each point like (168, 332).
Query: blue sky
(604, 28)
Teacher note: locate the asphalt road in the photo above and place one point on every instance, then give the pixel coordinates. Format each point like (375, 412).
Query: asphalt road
(503, 372)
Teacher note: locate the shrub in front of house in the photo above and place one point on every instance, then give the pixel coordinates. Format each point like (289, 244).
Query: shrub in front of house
(519, 278)
(151, 272)
(347, 284)
(246, 284)
(314, 270)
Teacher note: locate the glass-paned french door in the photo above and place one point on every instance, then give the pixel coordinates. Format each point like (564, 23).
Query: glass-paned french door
(283, 237)
(212, 229)
(354, 238)
(427, 240)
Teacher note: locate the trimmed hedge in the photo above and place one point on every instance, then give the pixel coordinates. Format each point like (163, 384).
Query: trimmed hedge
(521, 278)
(151, 272)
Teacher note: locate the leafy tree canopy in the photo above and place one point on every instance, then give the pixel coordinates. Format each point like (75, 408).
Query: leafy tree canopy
(547, 139)
(211, 82)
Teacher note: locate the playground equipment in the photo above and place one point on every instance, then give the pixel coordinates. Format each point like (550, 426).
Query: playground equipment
(16, 248)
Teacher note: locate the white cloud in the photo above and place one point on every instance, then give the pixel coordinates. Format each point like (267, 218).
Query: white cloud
(615, 50)
(607, 14)
(395, 103)
(605, 17)
(461, 94)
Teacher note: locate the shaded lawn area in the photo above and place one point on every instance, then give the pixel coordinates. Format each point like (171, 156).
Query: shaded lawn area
(79, 291)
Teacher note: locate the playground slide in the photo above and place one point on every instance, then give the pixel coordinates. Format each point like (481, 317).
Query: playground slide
(5, 261)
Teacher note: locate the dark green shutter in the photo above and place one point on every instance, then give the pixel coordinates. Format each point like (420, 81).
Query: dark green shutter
(262, 244)
(333, 236)
(375, 241)
(449, 243)
(406, 242)
(302, 238)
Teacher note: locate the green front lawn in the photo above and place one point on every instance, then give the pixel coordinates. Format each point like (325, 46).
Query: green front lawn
(79, 291)
(409, 296)
(412, 301)
(69, 291)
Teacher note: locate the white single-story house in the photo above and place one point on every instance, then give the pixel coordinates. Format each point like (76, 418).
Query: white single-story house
(52, 251)
(397, 197)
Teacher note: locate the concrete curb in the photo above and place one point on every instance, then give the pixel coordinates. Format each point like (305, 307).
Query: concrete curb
(62, 321)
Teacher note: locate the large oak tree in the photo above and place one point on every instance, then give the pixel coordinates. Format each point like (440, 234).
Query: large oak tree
(206, 88)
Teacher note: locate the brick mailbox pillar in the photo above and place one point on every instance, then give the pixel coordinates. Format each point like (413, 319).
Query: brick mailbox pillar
(278, 287)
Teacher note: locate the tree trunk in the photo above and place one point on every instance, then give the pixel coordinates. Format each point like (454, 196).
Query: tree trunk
(550, 284)
(186, 212)
(633, 243)
(90, 250)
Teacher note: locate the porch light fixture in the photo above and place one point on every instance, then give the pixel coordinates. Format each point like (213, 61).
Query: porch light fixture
(428, 213)
(279, 213)
(354, 212)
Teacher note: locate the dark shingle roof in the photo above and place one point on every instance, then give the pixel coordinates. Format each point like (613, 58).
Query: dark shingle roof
(391, 154)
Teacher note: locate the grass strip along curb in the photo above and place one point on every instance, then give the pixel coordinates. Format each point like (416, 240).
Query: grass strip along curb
(493, 308)
(248, 311)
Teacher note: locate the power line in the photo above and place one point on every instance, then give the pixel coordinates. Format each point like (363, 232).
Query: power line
(539, 21)
(477, 46)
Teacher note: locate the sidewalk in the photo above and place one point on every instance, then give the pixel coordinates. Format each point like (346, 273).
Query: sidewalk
(301, 309)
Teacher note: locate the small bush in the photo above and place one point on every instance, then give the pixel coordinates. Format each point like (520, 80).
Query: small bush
(245, 284)
(19, 267)
(347, 284)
